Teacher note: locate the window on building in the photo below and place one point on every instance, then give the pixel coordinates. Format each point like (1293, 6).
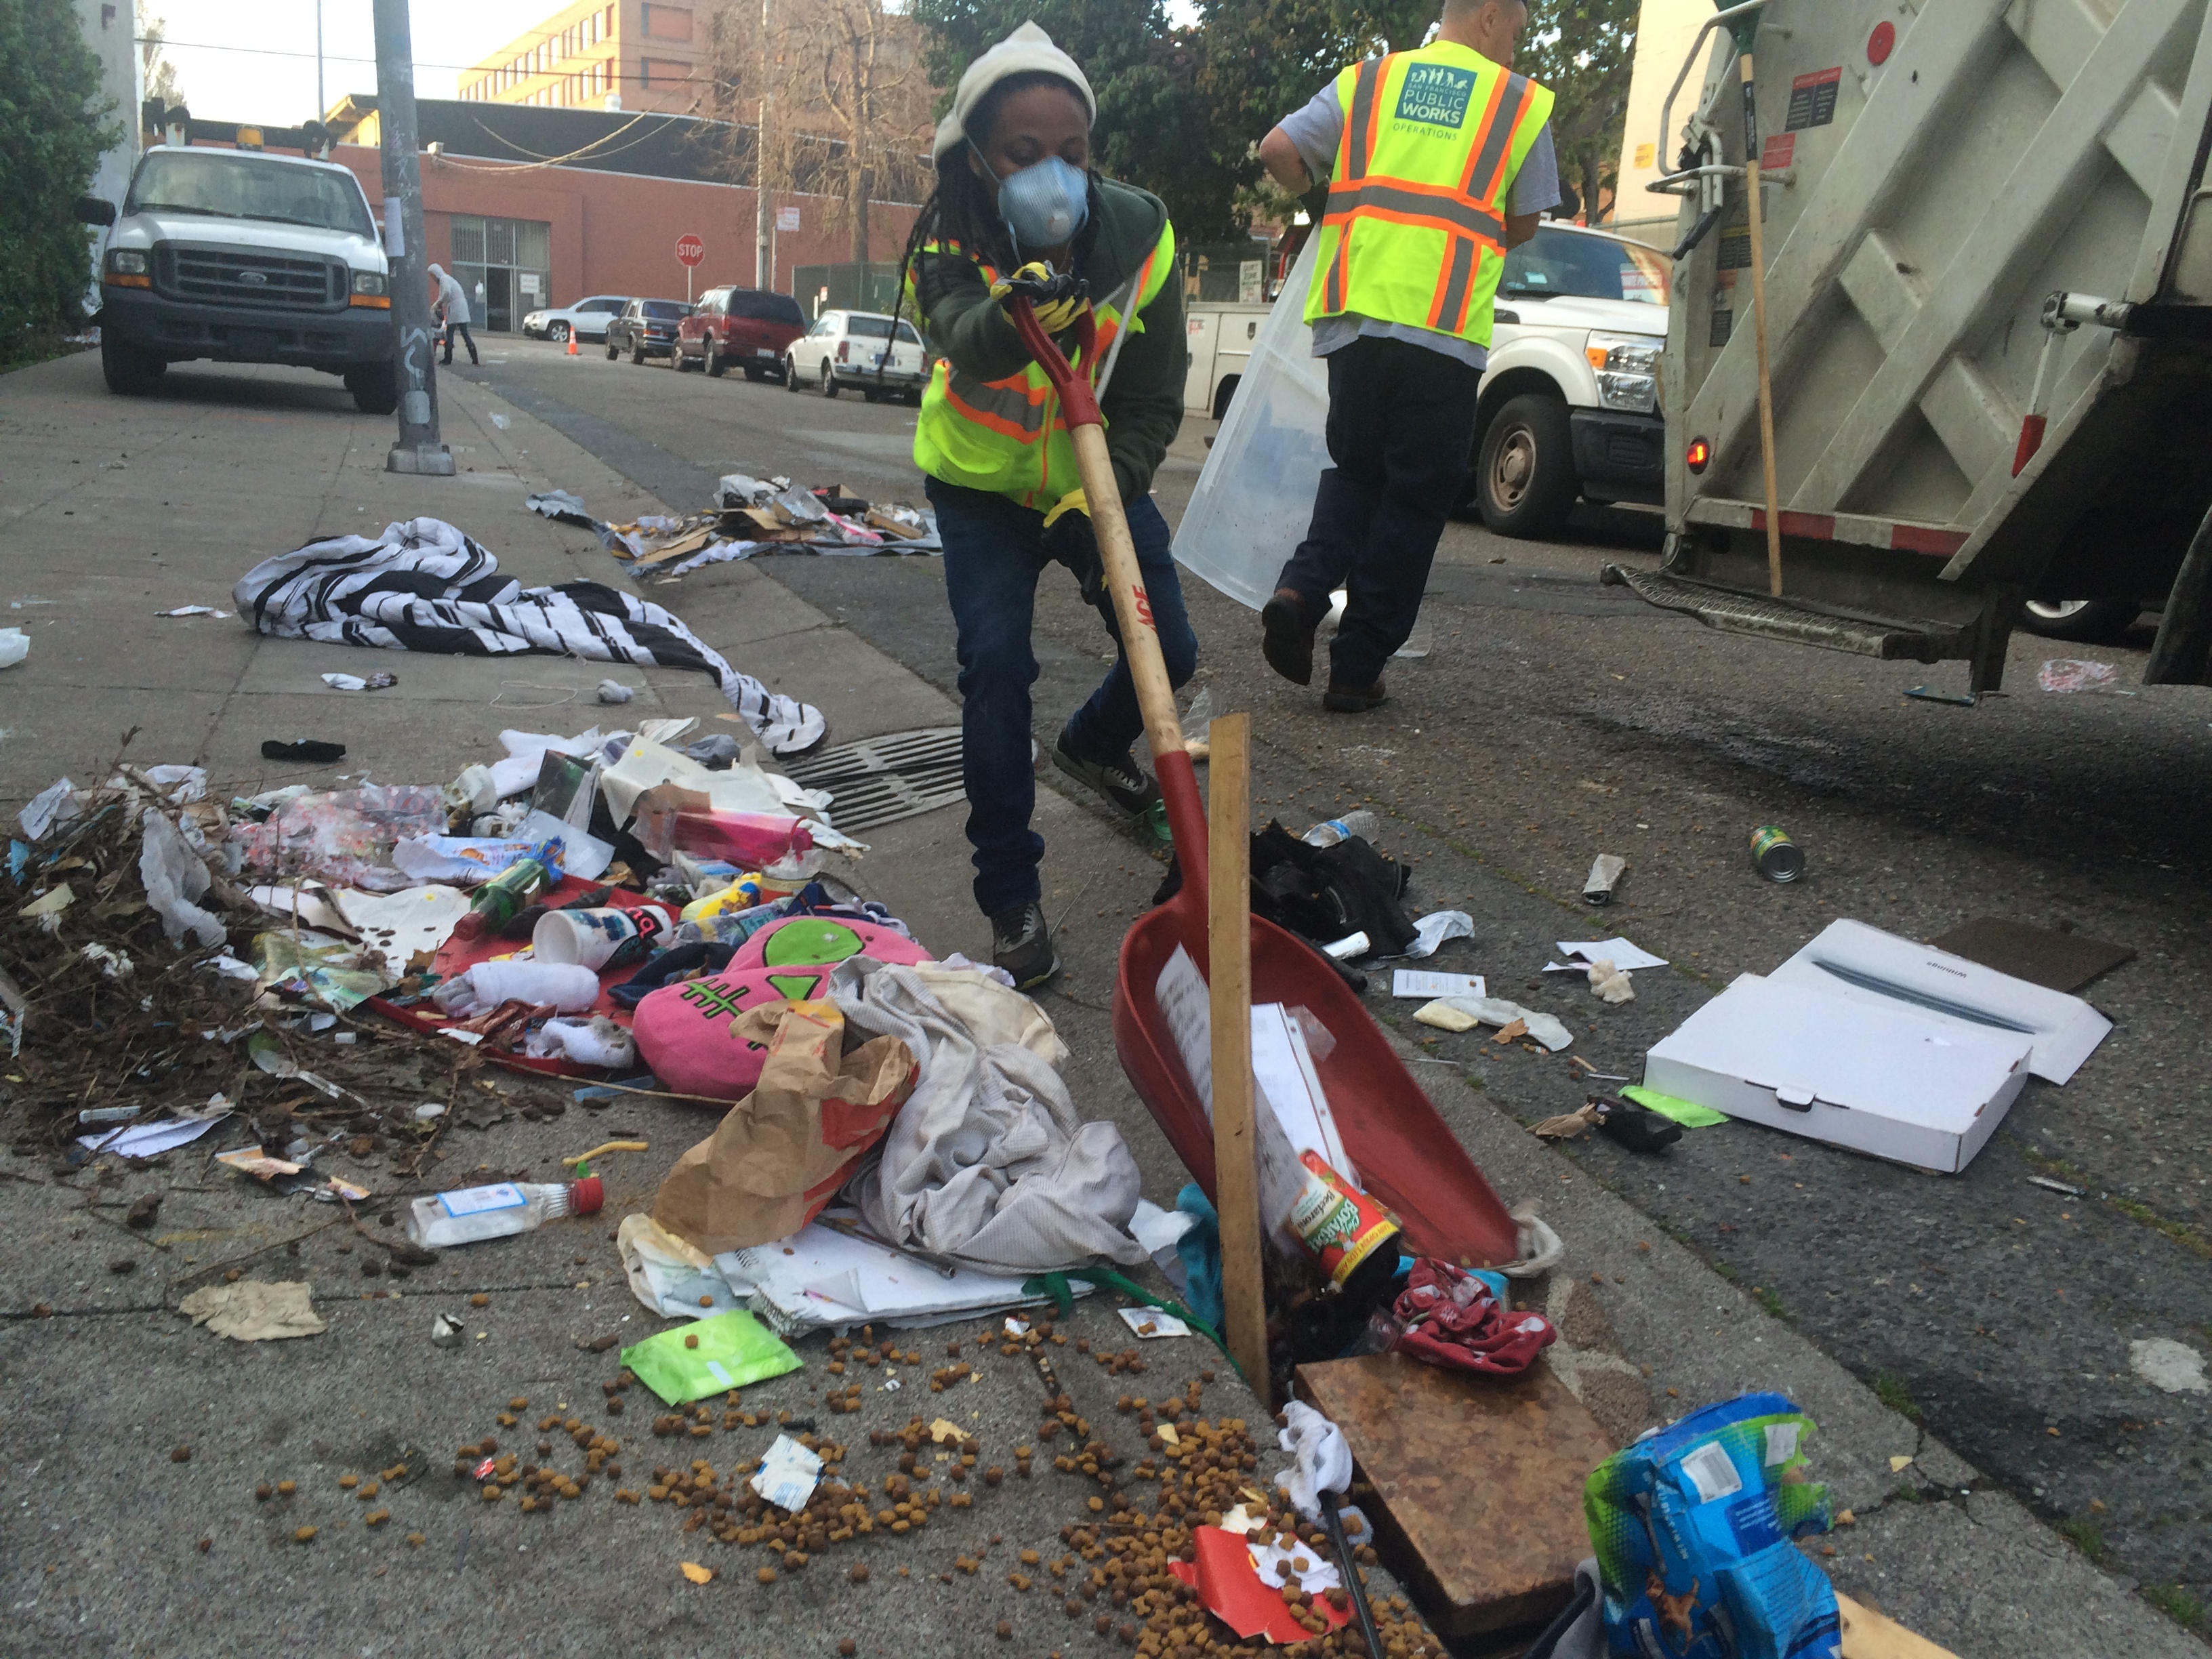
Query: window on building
(660, 72)
(667, 22)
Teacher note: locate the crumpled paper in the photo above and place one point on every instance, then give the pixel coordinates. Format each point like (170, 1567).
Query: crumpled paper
(254, 1311)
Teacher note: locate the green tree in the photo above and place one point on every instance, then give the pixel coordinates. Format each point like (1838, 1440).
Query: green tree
(1153, 129)
(52, 130)
(1583, 51)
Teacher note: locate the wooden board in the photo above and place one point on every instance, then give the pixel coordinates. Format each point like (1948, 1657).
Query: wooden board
(1871, 1635)
(1479, 1478)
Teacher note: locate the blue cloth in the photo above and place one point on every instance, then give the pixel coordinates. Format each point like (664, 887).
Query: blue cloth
(994, 551)
(1201, 1250)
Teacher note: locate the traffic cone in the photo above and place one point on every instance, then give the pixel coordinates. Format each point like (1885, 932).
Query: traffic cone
(572, 343)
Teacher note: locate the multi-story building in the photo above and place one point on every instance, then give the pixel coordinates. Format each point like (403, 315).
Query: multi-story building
(611, 54)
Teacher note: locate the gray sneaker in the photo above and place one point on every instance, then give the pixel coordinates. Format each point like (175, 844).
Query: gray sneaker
(1122, 782)
(1022, 945)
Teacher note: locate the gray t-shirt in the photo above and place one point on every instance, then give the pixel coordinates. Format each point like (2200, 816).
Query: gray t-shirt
(1316, 129)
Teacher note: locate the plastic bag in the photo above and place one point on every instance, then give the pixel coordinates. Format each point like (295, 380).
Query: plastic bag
(1693, 1527)
(175, 877)
(346, 838)
(2071, 674)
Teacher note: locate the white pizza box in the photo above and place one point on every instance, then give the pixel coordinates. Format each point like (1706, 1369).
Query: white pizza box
(1878, 1076)
(1865, 964)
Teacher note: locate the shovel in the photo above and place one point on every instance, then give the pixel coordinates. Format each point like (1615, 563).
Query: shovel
(1404, 1153)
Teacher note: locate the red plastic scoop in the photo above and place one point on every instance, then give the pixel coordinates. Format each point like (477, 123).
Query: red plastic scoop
(1405, 1154)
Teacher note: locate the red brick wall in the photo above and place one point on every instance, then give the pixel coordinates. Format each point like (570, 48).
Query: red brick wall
(616, 233)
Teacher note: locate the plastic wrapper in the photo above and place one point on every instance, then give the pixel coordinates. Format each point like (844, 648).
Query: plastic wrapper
(345, 838)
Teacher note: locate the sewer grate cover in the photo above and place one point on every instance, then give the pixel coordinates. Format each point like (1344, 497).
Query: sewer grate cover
(882, 780)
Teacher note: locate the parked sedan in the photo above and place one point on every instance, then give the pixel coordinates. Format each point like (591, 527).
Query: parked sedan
(749, 327)
(586, 319)
(646, 328)
(847, 348)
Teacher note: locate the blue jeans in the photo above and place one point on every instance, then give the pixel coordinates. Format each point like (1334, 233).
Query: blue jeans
(994, 552)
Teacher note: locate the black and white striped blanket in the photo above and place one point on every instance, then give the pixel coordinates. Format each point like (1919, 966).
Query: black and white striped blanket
(423, 586)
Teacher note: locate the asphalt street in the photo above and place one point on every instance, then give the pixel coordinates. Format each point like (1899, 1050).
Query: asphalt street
(1551, 719)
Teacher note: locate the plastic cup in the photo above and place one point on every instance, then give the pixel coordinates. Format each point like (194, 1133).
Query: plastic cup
(588, 938)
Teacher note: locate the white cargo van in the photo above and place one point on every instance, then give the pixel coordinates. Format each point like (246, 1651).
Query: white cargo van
(1988, 241)
(243, 257)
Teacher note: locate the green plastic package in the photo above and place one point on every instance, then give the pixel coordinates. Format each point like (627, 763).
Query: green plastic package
(734, 1349)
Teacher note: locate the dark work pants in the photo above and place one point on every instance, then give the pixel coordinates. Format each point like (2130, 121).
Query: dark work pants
(1401, 422)
(994, 551)
(461, 329)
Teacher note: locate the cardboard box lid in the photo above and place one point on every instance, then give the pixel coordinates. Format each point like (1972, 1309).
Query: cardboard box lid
(1875, 969)
(1887, 1060)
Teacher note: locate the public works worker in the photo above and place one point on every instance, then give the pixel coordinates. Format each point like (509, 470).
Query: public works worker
(1016, 194)
(1438, 162)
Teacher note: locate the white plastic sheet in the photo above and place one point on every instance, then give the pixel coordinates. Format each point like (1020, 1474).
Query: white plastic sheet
(1256, 494)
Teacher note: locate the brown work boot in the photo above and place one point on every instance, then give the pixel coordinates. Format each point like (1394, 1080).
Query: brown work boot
(1287, 636)
(1342, 699)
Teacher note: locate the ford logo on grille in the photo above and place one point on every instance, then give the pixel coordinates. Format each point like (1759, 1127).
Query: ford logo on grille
(257, 277)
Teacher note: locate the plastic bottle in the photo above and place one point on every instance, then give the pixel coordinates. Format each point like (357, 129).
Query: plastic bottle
(464, 1216)
(742, 894)
(500, 899)
(1363, 823)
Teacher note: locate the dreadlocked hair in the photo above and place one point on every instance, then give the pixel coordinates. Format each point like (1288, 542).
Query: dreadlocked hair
(959, 210)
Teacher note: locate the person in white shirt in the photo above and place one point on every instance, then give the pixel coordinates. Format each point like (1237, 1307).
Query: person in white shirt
(453, 302)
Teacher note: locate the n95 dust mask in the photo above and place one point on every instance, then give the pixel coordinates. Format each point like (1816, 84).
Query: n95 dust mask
(1045, 204)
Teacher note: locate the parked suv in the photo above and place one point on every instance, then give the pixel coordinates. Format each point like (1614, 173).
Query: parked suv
(586, 319)
(749, 327)
(646, 328)
(243, 257)
(1569, 405)
(844, 347)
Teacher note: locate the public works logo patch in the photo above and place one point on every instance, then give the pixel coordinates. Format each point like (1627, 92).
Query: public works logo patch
(1436, 95)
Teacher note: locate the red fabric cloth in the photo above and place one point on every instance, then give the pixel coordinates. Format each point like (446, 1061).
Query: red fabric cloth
(1449, 1317)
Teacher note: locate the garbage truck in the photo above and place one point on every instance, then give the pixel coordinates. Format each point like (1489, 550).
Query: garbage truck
(1987, 259)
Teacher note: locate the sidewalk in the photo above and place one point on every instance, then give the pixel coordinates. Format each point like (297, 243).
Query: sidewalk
(117, 509)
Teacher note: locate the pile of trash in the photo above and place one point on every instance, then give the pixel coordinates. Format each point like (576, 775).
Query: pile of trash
(749, 516)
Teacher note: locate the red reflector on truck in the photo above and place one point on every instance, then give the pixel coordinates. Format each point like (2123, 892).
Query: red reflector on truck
(1696, 455)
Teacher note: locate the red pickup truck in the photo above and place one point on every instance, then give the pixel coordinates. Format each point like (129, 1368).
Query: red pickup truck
(747, 327)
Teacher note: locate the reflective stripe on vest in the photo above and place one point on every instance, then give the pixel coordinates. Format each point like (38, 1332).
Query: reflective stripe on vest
(1009, 436)
(1415, 227)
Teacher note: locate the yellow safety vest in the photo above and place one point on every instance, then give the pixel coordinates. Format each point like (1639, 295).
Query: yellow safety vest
(1415, 230)
(1010, 436)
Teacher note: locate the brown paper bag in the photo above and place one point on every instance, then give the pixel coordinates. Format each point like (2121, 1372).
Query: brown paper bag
(776, 1159)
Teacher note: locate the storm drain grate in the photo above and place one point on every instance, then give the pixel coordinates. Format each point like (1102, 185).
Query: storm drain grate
(880, 780)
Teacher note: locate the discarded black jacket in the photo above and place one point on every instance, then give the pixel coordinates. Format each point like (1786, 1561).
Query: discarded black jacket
(1323, 893)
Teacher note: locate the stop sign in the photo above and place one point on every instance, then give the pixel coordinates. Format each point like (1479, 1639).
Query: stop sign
(689, 250)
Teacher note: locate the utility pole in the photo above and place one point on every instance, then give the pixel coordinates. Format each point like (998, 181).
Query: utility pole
(763, 269)
(322, 98)
(419, 450)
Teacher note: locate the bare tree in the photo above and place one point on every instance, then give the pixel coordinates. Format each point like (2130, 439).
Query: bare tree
(871, 83)
(852, 101)
(160, 74)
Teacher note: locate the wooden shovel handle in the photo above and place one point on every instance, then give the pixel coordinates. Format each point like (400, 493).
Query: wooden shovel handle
(1133, 607)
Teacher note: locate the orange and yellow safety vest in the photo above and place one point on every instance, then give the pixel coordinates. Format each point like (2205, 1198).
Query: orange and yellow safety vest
(1010, 436)
(1415, 230)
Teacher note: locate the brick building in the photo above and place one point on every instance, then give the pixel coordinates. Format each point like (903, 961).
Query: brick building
(529, 206)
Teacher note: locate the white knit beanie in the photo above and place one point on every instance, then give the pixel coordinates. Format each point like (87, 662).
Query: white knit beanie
(1029, 49)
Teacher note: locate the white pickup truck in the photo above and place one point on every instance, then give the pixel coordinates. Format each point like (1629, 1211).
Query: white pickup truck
(1570, 403)
(243, 257)
(1570, 406)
